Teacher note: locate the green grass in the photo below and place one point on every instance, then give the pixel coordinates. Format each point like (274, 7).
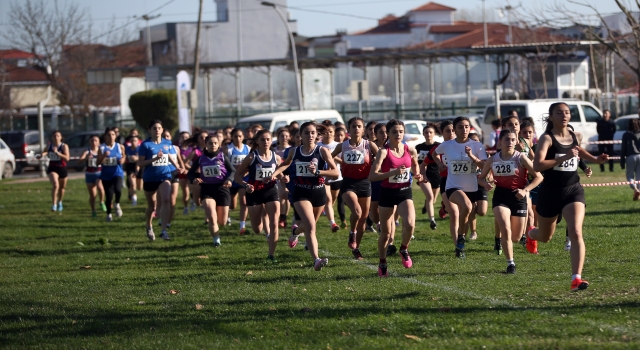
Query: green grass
(123, 300)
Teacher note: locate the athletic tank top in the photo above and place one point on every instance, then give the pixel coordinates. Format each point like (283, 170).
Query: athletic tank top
(212, 170)
(291, 170)
(509, 173)
(332, 146)
(185, 152)
(237, 156)
(425, 156)
(566, 173)
(54, 159)
(392, 162)
(444, 160)
(260, 169)
(158, 170)
(130, 152)
(280, 153)
(356, 160)
(92, 163)
(302, 176)
(111, 166)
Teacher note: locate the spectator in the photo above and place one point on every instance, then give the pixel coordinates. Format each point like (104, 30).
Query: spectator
(495, 135)
(606, 128)
(630, 155)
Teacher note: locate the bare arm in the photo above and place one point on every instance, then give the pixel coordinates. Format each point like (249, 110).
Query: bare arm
(332, 170)
(284, 165)
(242, 169)
(540, 164)
(336, 150)
(124, 156)
(375, 174)
(415, 167)
(486, 170)
(84, 155)
(64, 155)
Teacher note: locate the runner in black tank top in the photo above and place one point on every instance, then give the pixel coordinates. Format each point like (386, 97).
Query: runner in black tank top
(560, 192)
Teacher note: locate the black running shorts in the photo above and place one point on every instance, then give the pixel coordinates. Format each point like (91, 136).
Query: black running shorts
(362, 188)
(390, 197)
(317, 196)
(505, 197)
(551, 201)
(263, 196)
(216, 192)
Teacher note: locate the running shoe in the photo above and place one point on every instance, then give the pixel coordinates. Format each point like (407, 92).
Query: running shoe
(413, 237)
(54, 207)
(397, 223)
(352, 240)
(343, 225)
(474, 236)
(216, 241)
(94, 214)
(382, 270)
(335, 228)
(579, 284)
(192, 206)
(243, 231)
(206, 222)
(271, 259)
(370, 228)
(406, 259)
(511, 269)
(391, 249)
(433, 224)
(460, 243)
(169, 225)
(118, 210)
(442, 213)
(523, 241)
(306, 247)
(165, 235)
(460, 254)
(60, 206)
(103, 207)
(134, 201)
(228, 221)
(320, 263)
(424, 209)
(293, 239)
(109, 218)
(282, 224)
(150, 234)
(379, 230)
(154, 215)
(532, 244)
(185, 211)
(324, 213)
(567, 244)
(356, 254)
(636, 195)
(497, 247)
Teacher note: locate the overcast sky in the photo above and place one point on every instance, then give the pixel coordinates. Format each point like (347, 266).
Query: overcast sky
(352, 15)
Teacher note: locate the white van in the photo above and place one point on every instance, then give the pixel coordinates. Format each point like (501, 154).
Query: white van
(584, 116)
(274, 121)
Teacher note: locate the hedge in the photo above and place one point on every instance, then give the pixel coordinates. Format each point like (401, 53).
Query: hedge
(155, 104)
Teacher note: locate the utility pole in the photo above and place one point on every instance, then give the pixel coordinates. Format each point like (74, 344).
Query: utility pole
(148, 18)
(196, 65)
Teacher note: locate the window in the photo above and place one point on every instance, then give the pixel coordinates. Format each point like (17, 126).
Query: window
(549, 74)
(572, 75)
(622, 124)
(76, 141)
(590, 114)
(412, 128)
(575, 114)
(2, 145)
(33, 139)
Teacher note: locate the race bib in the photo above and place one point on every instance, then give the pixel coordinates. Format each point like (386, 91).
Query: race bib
(264, 173)
(302, 169)
(354, 157)
(237, 159)
(110, 161)
(462, 167)
(422, 155)
(92, 163)
(399, 179)
(567, 165)
(162, 161)
(53, 157)
(504, 168)
(211, 170)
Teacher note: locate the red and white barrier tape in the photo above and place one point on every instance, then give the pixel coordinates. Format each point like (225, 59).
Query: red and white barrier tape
(612, 184)
(611, 142)
(36, 159)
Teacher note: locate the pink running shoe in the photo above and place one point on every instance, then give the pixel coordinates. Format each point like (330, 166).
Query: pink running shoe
(320, 263)
(293, 239)
(406, 259)
(382, 271)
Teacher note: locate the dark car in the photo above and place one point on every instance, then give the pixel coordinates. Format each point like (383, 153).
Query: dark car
(25, 145)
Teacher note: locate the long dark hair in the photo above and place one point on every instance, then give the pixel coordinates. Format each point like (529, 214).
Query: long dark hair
(254, 143)
(460, 120)
(193, 140)
(634, 125)
(433, 126)
(321, 129)
(548, 120)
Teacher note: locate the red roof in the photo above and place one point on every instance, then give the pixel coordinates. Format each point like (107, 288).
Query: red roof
(14, 54)
(389, 25)
(24, 74)
(432, 6)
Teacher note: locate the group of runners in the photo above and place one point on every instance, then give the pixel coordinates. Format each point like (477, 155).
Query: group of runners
(365, 167)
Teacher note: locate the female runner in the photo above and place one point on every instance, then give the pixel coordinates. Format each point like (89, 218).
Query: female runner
(58, 154)
(464, 156)
(561, 192)
(262, 193)
(198, 143)
(392, 166)
(312, 164)
(212, 171)
(174, 151)
(153, 156)
(131, 166)
(509, 168)
(429, 171)
(333, 186)
(185, 150)
(237, 152)
(92, 174)
(446, 128)
(111, 157)
(281, 146)
(288, 176)
(356, 157)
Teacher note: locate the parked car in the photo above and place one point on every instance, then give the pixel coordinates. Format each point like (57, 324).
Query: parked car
(25, 145)
(584, 116)
(78, 143)
(274, 121)
(622, 124)
(7, 161)
(413, 131)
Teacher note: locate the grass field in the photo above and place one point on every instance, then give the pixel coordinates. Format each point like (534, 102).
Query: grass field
(228, 297)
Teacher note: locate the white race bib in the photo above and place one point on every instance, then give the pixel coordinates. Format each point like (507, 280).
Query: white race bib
(53, 157)
(399, 179)
(92, 162)
(162, 161)
(211, 170)
(353, 157)
(462, 167)
(302, 169)
(567, 165)
(422, 155)
(503, 168)
(237, 159)
(264, 173)
(110, 161)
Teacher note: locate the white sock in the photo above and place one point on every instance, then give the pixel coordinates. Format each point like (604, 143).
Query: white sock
(511, 262)
(577, 275)
(332, 222)
(431, 219)
(242, 224)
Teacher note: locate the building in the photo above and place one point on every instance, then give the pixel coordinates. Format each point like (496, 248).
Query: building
(23, 83)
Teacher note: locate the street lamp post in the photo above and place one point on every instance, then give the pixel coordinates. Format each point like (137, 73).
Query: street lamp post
(293, 49)
(148, 37)
(41, 105)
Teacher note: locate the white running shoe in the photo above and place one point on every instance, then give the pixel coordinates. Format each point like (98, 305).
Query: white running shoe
(150, 234)
(134, 200)
(228, 221)
(118, 210)
(109, 218)
(185, 211)
(567, 244)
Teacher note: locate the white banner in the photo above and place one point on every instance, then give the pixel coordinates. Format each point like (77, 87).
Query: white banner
(183, 84)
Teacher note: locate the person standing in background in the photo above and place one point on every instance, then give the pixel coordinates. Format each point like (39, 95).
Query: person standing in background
(606, 128)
